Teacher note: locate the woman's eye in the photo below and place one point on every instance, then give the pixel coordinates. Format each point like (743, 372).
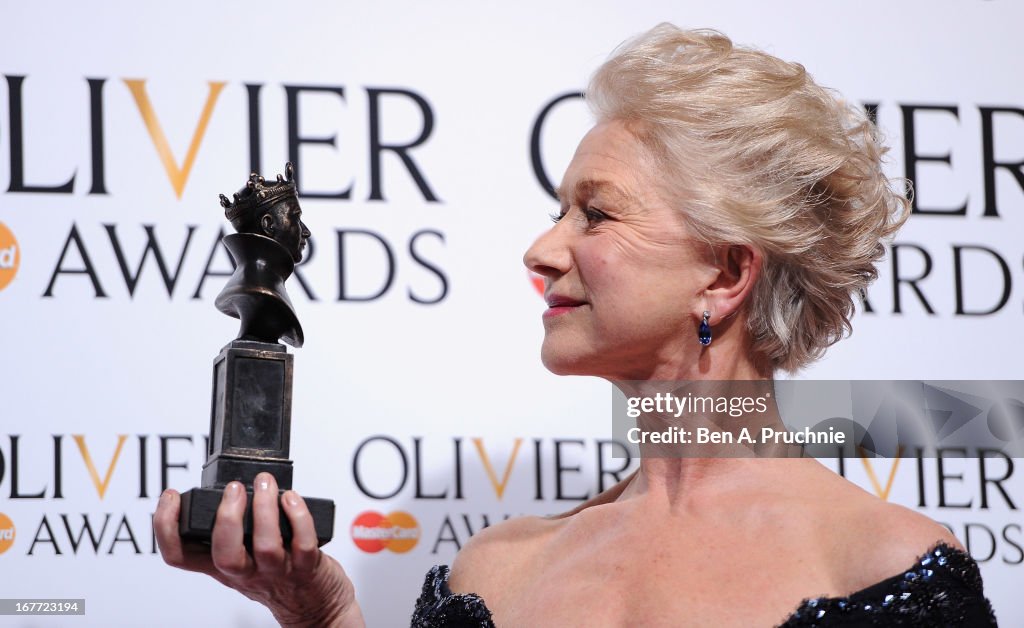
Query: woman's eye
(590, 214)
(593, 215)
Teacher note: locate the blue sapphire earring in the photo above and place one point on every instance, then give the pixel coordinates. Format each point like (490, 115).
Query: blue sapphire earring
(704, 333)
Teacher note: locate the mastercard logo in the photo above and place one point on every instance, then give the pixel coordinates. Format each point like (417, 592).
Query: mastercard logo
(6, 533)
(9, 256)
(396, 531)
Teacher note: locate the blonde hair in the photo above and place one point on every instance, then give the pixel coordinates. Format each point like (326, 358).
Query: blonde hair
(756, 153)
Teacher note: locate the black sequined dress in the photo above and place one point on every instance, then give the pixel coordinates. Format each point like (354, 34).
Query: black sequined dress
(943, 588)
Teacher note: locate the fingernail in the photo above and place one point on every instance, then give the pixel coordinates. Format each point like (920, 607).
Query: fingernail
(234, 490)
(263, 480)
(166, 495)
(292, 499)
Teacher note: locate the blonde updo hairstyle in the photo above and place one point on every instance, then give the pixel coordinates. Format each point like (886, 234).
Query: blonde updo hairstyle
(754, 152)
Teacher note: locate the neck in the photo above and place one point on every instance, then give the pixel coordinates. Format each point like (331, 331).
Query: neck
(677, 470)
(708, 486)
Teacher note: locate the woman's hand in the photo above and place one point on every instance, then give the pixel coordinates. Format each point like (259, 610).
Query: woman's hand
(301, 587)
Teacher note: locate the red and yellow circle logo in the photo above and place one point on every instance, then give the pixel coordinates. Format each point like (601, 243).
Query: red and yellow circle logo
(10, 256)
(6, 533)
(537, 281)
(397, 531)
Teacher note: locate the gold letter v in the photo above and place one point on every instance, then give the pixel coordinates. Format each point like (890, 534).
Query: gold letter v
(178, 176)
(882, 492)
(101, 486)
(499, 487)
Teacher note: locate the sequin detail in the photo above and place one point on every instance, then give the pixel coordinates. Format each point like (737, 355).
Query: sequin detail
(438, 607)
(943, 588)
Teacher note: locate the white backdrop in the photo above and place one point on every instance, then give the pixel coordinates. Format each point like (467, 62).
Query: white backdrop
(458, 378)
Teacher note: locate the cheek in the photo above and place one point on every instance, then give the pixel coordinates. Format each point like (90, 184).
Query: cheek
(618, 271)
(600, 269)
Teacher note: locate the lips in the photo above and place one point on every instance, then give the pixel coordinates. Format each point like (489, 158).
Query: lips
(557, 300)
(559, 304)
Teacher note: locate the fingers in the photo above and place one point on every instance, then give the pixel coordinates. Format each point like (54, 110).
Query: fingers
(227, 554)
(165, 526)
(305, 549)
(227, 549)
(267, 546)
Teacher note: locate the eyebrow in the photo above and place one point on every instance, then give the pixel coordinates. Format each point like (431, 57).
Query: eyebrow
(591, 187)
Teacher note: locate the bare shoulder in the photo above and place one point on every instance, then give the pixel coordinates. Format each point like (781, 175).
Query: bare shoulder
(879, 539)
(903, 533)
(494, 557)
(485, 564)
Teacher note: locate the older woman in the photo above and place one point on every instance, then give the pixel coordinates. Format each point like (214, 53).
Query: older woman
(715, 224)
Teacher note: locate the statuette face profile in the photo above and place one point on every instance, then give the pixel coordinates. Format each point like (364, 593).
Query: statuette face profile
(283, 223)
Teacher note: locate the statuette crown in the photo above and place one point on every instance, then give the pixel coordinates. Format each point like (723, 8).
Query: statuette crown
(258, 193)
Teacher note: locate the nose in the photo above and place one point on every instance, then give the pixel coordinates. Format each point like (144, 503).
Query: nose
(305, 230)
(550, 255)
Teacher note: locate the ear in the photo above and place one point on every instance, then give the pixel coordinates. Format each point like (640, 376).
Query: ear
(267, 223)
(739, 267)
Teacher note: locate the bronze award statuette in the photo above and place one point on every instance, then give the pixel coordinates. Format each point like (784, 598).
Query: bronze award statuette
(250, 422)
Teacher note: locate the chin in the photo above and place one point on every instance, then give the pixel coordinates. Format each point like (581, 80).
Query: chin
(562, 362)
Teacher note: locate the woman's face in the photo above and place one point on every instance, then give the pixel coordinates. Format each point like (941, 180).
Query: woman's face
(624, 278)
